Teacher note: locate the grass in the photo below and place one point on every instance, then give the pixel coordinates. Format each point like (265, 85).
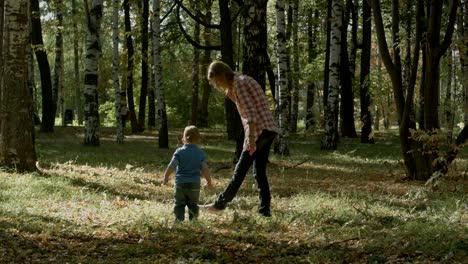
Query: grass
(107, 205)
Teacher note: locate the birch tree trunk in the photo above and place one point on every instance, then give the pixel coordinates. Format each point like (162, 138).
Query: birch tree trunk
(282, 58)
(144, 66)
(295, 65)
(76, 67)
(159, 89)
(94, 15)
(115, 70)
(16, 131)
(330, 140)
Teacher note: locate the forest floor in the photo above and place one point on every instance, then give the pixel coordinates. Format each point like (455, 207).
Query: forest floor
(107, 204)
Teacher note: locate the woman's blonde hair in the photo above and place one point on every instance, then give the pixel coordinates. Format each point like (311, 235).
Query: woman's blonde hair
(220, 69)
(192, 134)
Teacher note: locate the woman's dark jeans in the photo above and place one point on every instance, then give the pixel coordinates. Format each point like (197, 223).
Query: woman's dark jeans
(259, 160)
(186, 194)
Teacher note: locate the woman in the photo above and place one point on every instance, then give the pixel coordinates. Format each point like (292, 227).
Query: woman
(260, 130)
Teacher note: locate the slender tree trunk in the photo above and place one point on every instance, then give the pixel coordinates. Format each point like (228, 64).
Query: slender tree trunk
(48, 117)
(366, 119)
(463, 27)
(115, 70)
(130, 65)
(326, 74)
(312, 54)
(296, 75)
(16, 130)
(57, 85)
(206, 87)
(76, 66)
(330, 140)
(347, 127)
(144, 66)
(233, 121)
(448, 97)
(151, 93)
(94, 15)
(162, 115)
(282, 56)
(195, 71)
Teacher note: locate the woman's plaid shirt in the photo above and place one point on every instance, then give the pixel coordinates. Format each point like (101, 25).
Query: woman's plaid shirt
(252, 105)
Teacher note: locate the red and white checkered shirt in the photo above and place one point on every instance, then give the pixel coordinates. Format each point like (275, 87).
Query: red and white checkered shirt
(252, 105)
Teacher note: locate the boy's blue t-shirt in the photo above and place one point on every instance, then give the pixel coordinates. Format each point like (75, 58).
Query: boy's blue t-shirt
(188, 161)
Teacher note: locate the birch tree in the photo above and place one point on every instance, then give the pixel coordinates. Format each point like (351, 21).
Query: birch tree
(159, 90)
(76, 66)
(16, 130)
(330, 140)
(115, 70)
(282, 60)
(93, 27)
(144, 66)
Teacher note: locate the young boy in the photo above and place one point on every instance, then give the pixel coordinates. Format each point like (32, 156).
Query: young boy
(188, 162)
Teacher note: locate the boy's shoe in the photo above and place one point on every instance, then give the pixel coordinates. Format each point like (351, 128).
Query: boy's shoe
(210, 208)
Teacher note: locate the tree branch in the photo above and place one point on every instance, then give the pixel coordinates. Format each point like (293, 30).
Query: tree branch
(189, 39)
(168, 12)
(201, 22)
(450, 28)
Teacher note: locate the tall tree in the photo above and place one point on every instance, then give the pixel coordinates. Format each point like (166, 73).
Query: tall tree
(366, 119)
(281, 58)
(130, 65)
(295, 66)
(16, 129)
(195, 71)
(57, 84)
(347, 127)
(144, 66)
(93, 28)
(464, 59)
(162, 114)
(76, 65)
(311, 55)
(48, 118)
(151, 93)
(115, 70)
(330, 139)
(206, 87)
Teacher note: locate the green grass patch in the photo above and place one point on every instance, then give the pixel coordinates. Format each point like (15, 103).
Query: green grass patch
(107, 204)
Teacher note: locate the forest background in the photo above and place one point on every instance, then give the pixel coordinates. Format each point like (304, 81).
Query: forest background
(315, 60)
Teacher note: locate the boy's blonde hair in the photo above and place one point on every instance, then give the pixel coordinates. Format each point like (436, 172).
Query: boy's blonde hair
(220, 69)
(192, 134)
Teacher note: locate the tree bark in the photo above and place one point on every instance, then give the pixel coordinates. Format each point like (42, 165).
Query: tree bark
(144, 66)
(57, 85)
(48, 118)
(130, 66)
(195, 72)
(17, 150)
(330, 139)
(94, 15)
(347, 127)
(76, 66)
(366, 118)
(115, 71)
(163, 136)
(295, 67)
(283, 102)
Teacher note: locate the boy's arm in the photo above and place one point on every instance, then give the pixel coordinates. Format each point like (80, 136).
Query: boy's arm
(205, 172)
(168, 173)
